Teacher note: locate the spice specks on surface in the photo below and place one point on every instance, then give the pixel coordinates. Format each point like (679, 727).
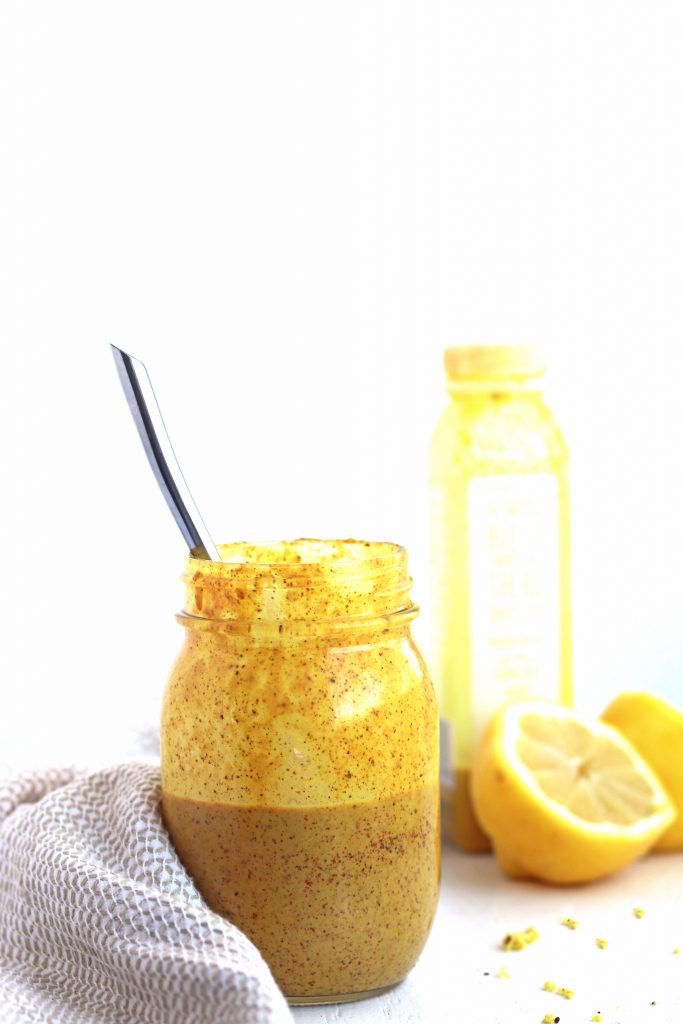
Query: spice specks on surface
(519, 940)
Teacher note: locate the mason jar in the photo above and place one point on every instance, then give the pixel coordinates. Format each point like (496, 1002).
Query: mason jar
(300, 760)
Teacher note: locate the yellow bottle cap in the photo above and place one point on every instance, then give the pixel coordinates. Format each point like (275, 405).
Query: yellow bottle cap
(471, 363)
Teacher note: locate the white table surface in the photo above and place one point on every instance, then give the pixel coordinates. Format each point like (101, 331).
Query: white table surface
(478, 906)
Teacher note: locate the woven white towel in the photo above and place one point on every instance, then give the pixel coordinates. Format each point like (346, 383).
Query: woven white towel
(100, 923)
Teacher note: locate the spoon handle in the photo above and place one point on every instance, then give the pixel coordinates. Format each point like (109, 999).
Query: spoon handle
(147, 416)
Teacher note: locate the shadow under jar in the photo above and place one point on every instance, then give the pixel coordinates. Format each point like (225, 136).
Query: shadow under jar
(300, 760)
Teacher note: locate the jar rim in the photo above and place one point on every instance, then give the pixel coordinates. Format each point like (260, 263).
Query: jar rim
(302, 553)
(304, 579)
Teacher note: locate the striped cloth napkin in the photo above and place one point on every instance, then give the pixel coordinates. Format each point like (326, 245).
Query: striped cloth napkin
(99, 921)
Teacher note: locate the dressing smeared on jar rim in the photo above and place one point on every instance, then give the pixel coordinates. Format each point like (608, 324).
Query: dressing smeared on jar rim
(348, 581)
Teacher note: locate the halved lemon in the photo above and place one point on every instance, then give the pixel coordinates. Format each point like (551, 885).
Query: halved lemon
(564, 799)
(655, 728)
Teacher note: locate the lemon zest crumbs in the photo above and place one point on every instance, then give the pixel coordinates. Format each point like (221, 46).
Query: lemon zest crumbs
(638, 912)
(570, 922)
(550, 1018)
(677, 951)
(566, 993)
(549, 986)
(601, 943)
(519, 940)
(596, 1017)
(504, 973)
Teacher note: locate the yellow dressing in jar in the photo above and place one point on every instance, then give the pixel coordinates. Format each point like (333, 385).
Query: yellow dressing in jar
(500, 558)
(300, 760)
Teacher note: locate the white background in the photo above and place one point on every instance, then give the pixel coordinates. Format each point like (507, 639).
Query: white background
(288, 209)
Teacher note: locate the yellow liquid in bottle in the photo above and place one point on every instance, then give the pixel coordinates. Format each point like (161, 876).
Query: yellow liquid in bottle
(500, 560)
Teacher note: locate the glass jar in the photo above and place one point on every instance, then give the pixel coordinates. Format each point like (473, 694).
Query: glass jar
(499, 485)
(300, 760)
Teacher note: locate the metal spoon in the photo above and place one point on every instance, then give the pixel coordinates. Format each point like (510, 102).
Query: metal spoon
(146, 413)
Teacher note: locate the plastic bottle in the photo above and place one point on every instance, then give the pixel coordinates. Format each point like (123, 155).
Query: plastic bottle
(500, 558)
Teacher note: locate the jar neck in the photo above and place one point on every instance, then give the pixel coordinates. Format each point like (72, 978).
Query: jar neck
(305, 586)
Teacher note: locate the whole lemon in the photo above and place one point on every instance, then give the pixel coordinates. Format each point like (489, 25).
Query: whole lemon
(655, 728)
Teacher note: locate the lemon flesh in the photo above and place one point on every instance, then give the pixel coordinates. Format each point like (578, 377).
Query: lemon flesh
(564, 799)
(655, 728)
